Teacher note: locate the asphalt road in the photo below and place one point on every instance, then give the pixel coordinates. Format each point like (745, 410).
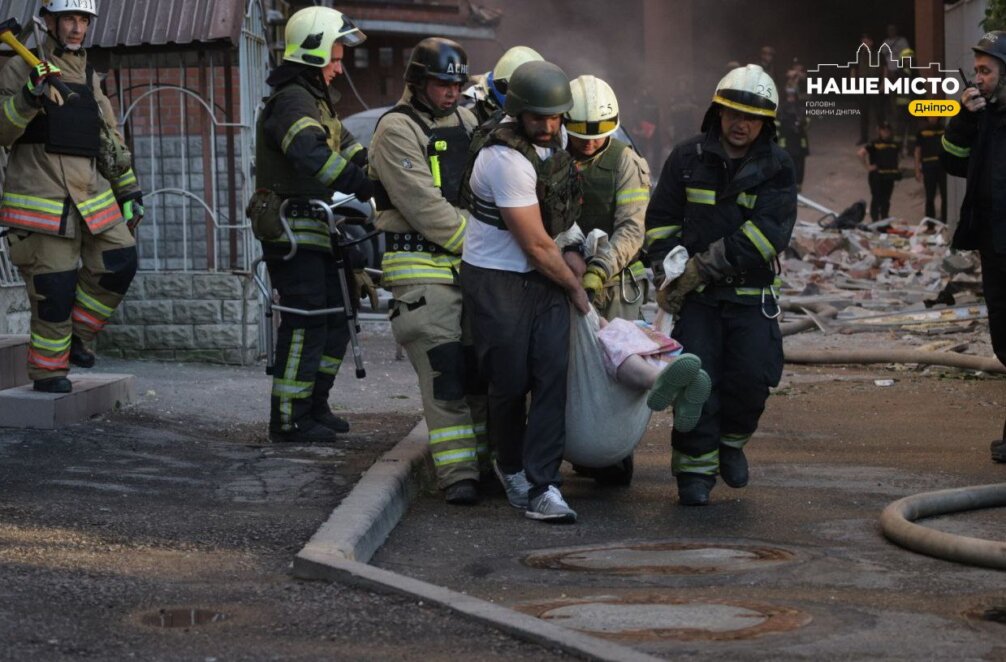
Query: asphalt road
(792, 567)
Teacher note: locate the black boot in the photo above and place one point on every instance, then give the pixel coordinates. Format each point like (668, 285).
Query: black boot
(331, 421)
(462, 493)
(999, 450)
(54, 385)
(303, 432)
(733, 466)
(693, 489)
(79, 355)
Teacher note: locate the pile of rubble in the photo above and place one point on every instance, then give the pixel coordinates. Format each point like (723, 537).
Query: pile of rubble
(886, 274)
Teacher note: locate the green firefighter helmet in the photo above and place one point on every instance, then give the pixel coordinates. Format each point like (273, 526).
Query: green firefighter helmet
(538, 87)
(311, 32)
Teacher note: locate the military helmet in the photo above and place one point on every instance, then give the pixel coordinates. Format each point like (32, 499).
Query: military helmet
(499, 77)
(748, 89)
(63, 6)
(436, 57)
(311, 32)
(595, 109)
(538, 87)
(993, 44)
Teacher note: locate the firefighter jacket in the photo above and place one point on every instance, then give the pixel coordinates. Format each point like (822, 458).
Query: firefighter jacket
(734, 219)
(302, 152)
(419, 161)
(52, 178)
(616, 188)
(974, 146)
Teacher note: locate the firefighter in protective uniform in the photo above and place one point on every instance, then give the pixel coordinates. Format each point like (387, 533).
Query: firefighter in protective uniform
(616, 188)
(302, 152)
(70, 197)
(728, 196)
(418, 156)
(488, 91)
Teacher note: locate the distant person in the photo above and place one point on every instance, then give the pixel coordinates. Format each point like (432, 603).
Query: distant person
(898, 44)
(974, 147)
(647, 129)
(766, 60)
(791, 121)
(928, 168)
(872, 109)
(880, 158)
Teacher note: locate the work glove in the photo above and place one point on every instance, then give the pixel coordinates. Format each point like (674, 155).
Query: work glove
(38, 77)
(364, 288)
(365, 191)
(593, 283)
(672, 298)
(132, 211)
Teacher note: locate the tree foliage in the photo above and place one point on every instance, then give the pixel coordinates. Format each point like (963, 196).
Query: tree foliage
(995, 16)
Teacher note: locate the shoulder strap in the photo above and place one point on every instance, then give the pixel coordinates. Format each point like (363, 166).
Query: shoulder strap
(410, 112)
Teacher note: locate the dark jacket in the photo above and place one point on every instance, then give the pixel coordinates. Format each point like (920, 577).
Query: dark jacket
(967, 151)
(734, 225)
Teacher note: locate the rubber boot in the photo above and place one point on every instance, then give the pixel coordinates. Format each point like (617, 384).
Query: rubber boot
(733, 466)
(331, 421)
(80, 356)
(694, 489)
(303, 432)
(462, 493)
(54, 385)
(999, 451)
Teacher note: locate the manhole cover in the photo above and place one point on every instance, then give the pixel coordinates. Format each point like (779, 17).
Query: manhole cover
(182, 618)
(995, 614)
(658, 617)
(661, 558)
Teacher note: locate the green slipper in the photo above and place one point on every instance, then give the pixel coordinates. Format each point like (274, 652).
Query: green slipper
(688, 407)
(672, 380)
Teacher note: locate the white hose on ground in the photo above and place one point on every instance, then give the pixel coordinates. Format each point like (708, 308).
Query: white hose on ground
(897, 522)
(863, 356)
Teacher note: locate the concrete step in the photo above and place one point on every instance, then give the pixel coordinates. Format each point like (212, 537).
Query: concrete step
(13, 361)
(93, 394)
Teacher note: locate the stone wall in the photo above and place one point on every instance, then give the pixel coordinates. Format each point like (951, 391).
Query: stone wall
(186, 316)
(15, 312)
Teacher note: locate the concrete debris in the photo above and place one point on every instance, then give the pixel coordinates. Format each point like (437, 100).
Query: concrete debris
(883, 267)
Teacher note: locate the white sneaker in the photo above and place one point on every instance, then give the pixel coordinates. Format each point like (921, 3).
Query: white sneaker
(549, 506)
(515, 485)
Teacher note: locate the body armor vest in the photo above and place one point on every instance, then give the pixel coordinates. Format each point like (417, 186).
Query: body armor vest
(599, 189)
(73, 128)
(446, 154)
(558, 182)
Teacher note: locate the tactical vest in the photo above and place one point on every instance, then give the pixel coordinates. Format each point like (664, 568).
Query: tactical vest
(274, 172)
(446, 154)
(73, 128)
(599, 188)
(558, 185)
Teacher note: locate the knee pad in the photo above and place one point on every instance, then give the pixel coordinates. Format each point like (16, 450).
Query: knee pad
(58, 291)
(449, 360)
(121, 265)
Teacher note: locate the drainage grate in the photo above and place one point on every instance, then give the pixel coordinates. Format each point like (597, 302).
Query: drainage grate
(656, 617)
(182, 618)
(661, 558)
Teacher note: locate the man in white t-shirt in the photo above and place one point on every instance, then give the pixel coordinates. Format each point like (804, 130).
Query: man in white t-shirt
(523, 193)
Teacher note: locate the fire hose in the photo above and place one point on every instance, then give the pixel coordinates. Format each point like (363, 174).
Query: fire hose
(898, 524)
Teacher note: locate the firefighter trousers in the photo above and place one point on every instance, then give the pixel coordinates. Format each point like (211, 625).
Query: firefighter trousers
(74, 285)
(309, 349)
(428, 321)
(741, 349)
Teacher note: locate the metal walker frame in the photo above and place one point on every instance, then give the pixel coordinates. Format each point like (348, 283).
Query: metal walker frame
(261, 278)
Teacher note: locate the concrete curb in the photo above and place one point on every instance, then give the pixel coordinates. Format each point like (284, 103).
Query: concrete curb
(317, 564)
(365, 518)
(340, 549)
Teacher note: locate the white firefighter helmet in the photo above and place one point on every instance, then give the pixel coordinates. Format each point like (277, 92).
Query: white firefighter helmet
(496, 80)
(78, 6)
(311, 32)
(748, 89)
(595, 109)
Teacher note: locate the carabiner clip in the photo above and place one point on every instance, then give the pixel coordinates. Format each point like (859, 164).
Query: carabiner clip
(775, 302)
(635, 286)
